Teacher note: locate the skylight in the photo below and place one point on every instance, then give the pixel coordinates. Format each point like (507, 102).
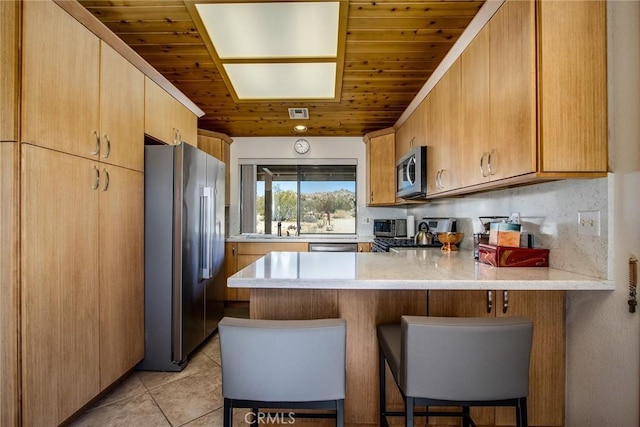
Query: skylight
(277, 50)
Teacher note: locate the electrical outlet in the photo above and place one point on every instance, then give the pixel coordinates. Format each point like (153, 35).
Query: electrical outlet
(515, 218)
(589, 223)
(366, 220)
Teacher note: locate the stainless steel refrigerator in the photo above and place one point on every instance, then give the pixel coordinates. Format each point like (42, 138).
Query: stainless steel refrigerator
(184, 252)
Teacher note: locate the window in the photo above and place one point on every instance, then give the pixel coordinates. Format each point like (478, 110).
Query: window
(298, 199)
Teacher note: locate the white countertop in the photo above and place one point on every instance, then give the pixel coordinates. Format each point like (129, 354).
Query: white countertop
(411, 269)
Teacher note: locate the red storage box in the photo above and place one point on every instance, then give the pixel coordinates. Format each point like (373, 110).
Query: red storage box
(505, 256)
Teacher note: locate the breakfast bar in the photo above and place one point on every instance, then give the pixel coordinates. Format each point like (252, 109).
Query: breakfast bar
(367, 289)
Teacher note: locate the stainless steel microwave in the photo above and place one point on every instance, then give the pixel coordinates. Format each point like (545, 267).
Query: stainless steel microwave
(411, 174)
(390, 227)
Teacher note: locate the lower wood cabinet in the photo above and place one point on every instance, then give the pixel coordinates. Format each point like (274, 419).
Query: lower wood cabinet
(547, 372)
(121, 238)
(9, 280)
(238, 255)
(82, 280)
(364, 247)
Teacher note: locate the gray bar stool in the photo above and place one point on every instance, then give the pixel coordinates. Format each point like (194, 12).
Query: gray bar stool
(286, 364)
(457, 361)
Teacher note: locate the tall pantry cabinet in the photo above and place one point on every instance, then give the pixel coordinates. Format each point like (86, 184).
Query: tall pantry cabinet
(81, 215)
(9, 214)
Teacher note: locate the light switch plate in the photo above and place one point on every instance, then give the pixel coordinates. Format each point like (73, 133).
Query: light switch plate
(589, 223)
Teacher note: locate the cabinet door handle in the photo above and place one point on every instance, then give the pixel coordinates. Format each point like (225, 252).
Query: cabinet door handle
(106, 181)
(371, 197)
(439, 183)
(233, 250)
(97, 149)
(108, 151)
(484, 175)
(505, 301)
(491, 171)
(96, 181)
(489, 301)
(411, 166)
(411, 142)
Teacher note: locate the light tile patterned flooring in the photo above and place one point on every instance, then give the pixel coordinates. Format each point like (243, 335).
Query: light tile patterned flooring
(190, 398)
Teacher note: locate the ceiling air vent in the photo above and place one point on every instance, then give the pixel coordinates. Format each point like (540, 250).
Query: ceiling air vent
(298, 113)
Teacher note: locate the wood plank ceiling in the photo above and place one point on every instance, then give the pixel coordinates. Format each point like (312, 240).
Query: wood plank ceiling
(392, 48)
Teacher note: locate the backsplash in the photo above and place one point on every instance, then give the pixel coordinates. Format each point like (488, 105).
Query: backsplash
(548, 210)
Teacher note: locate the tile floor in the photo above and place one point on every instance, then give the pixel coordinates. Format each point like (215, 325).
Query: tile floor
(190, 398)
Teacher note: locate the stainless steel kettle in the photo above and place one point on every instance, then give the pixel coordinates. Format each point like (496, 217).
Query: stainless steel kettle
(423, 238)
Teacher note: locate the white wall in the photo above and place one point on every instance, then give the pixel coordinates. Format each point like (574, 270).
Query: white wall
(321, 148)
(603, 339)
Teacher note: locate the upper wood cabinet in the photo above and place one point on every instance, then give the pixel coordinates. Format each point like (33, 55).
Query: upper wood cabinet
(475, 90)
(412, 133)
(511, 149)
(98, 107)
(219, 146)
(9, 36)
(166, 119)
(444, 122)
(121, 111)
(531, 105)
(60, 81)
(572, 87)
(381, 168)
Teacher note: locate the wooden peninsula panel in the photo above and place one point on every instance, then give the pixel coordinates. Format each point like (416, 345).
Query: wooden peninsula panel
(293, 304)
(363, 310)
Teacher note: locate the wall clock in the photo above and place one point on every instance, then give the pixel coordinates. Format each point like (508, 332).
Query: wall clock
(301, 146)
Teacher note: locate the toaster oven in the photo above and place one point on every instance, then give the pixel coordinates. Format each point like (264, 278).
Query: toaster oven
(390, 227)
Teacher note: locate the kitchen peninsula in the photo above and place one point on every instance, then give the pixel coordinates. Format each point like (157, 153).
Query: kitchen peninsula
(370, 288)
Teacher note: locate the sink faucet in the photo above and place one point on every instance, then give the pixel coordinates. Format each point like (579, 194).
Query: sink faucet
(279, 228)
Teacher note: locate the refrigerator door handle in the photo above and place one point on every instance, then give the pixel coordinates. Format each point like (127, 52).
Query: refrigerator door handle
(206, 200)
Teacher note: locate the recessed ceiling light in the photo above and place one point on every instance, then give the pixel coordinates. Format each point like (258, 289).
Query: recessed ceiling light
(300, 128)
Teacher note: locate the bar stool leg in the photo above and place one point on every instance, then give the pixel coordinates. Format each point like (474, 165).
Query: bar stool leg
(466, 415)
(228, 413)
(408, 407)
(340, 413)
(382, 389)
(521, 413)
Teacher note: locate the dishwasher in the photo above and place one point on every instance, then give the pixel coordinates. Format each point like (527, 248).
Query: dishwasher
(333, 247)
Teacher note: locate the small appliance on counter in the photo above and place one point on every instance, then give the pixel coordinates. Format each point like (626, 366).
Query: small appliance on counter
(484, 236)
(498, 231)
(507, 256)
(390, 227)
(425, 225)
